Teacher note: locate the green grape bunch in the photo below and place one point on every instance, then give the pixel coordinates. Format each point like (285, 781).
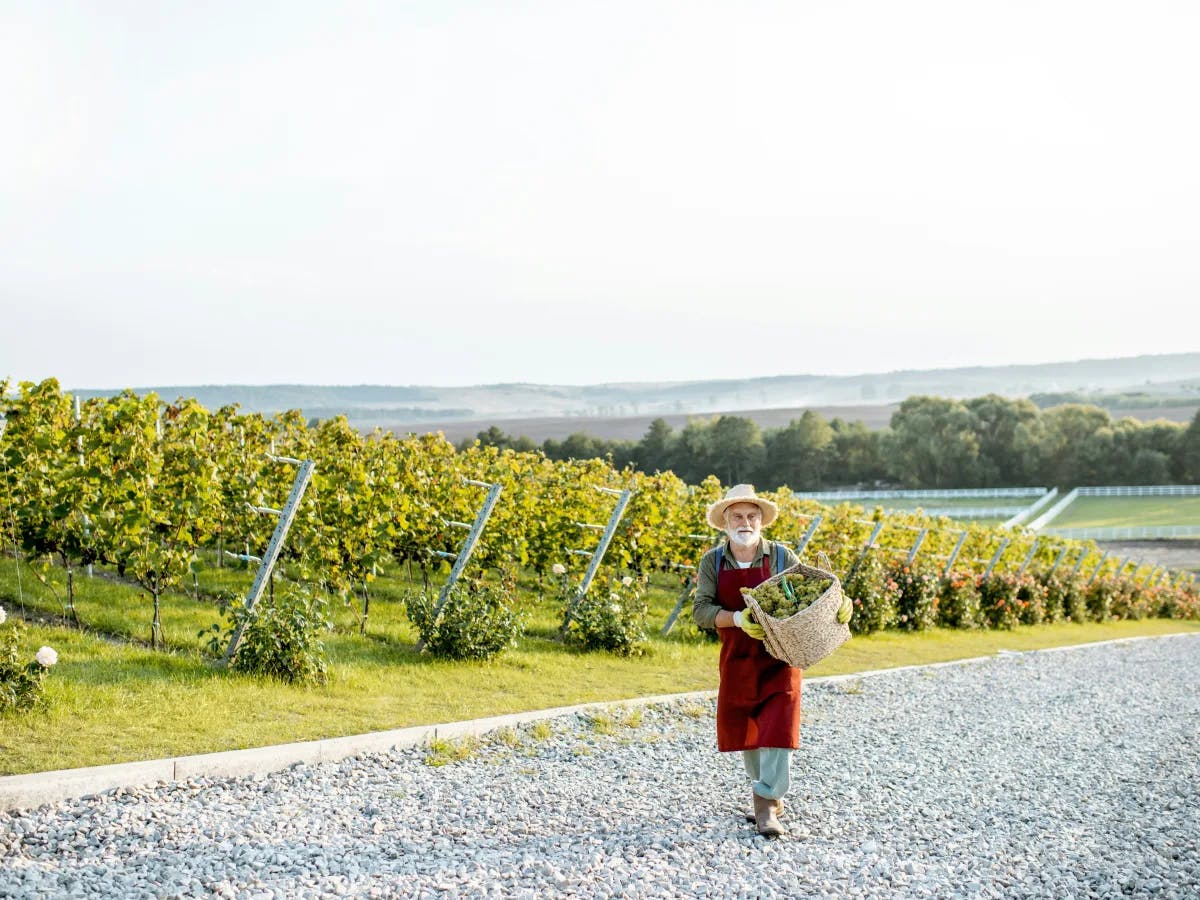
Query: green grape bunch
(785, 597)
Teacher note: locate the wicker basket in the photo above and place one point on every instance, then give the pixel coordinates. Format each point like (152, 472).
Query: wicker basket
(808, 636)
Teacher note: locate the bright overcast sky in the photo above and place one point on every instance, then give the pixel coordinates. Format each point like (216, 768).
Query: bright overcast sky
(451, 193)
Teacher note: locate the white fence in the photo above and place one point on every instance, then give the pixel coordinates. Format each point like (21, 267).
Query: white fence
(1118, 534)
(1143, 490)
(1052, 513)
(974, 512)
(931, 494)
(1031, 509)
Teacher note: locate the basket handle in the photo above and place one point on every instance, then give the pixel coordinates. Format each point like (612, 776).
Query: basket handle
(823, 562)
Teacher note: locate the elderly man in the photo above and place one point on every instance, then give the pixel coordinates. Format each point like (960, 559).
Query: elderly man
(758, 703)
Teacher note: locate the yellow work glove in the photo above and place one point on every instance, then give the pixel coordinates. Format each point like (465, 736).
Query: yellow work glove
(845, 611)
(742, 620)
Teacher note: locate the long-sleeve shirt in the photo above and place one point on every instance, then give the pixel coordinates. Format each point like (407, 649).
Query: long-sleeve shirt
(705, 606)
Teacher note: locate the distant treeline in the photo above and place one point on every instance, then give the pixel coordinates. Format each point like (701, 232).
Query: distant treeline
(1125, 400)
(932, 442)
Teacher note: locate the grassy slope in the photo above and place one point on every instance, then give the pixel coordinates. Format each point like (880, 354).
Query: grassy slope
(114, 700)
(1104, 512)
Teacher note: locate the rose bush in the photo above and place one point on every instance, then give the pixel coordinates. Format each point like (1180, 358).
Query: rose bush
(998, 601)
(917, 595)
(479, 620)
(610, 617)
(21, 683)
(875, 594)
(280, 639)
(958, 601)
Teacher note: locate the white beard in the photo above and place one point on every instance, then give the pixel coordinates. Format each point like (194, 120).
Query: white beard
(744, 540)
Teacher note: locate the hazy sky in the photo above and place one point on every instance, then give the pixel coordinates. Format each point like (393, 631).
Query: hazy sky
(452, 193)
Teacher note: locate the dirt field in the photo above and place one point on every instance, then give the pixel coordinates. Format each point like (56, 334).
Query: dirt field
(1179, 554)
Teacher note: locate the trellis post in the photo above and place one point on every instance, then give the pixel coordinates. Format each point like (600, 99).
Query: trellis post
(812, 527)
(87, 526)
(1029, 557)
(1057, 560)
(689, 582)
(962, 537)
(286, 516)
(996, 558)
(1096, 571)
(912, 553)
(1079, 562)
(464, 554)
(596, 555)
(866, 549)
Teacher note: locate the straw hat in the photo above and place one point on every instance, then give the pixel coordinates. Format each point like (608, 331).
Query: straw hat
(741, 493)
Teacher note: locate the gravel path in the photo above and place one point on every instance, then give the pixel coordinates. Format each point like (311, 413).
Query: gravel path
(1060, 774)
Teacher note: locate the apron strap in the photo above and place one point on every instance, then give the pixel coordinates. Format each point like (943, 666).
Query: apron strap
(717, 552)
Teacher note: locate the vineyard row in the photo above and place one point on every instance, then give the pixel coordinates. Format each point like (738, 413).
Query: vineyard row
(142, 485)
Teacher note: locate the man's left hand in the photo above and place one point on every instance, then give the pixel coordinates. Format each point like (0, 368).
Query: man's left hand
(742, 620)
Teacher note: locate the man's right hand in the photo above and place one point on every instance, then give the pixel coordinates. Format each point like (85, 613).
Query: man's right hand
(742, 620)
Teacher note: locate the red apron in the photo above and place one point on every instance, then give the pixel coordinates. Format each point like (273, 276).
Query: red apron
(758, 703)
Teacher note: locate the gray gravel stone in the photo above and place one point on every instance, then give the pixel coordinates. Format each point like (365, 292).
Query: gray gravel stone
(1031, 775)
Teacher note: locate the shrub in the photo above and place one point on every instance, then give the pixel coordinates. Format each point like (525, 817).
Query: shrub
(917, 596)
(1099, 596)
(1179, 602)
(1030, 600)
(874, 594)
(280, 640)
(478, 620)
(1064, 599)
(958, 601)
(21, 683)
(610, 617)
(998, 601)
(1132, 601)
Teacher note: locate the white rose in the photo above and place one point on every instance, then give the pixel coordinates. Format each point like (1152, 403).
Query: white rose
(627, 580)
(46, 657)
(558, 569)
(3, 615)
(616, 608)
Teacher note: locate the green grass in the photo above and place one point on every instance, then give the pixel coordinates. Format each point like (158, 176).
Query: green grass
(111, 699)
(901, 505)
(1107, 512)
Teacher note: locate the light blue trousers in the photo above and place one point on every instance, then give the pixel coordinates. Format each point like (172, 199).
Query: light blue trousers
(770, 770)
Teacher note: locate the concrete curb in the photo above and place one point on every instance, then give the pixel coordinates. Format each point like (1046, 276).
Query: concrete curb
(26, 791)
(19, 792)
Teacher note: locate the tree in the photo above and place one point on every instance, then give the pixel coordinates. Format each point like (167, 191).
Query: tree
(737, 449)
(692, 450)
(1187, 453)
(653, 451)
(858, 453)
(1062, 433)
(1003, 428)
(495, 437)
(933, 444)
(580, 445)
(800, 455)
